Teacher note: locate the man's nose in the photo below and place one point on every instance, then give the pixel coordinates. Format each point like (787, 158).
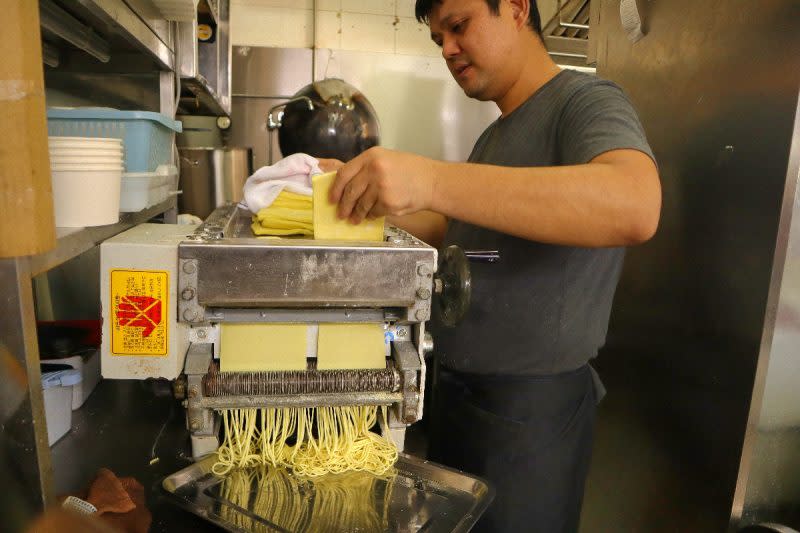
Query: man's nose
(450, 47)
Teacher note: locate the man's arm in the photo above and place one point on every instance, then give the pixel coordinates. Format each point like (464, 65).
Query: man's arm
(427, 226)
(614, 200)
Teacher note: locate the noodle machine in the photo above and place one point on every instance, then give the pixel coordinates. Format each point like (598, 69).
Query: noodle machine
(167, 289)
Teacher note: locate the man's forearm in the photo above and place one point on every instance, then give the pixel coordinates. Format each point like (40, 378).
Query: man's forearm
(427, 226)
(612, 201)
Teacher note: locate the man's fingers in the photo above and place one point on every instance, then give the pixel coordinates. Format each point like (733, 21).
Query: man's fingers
(364, 204)
(343, 177)
(350, 196)
(329, 165)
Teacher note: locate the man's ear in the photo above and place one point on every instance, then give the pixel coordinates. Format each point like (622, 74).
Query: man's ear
(520, 10)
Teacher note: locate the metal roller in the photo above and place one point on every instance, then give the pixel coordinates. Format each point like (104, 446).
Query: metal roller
(311, 381)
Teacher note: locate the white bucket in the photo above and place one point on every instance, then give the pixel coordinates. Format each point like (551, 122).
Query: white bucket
(111, 150)
(86, 196)
(84, 141)
(59, 160)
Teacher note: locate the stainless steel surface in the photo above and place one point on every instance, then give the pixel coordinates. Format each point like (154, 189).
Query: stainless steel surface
(167, 88)
(566, 33)
(64, 25)
(768, 487)
(340, 123)
(24, 430)
(122, 20)
(261, 79)
(224, 266)
(693, 313)
(289, 316)
(50, 54)
(270, 72)
(75, 241)
(421, 496)
(571, 25)
(200, 131)
(249, 127)
(204, 67)
(271, 273)
(211, 177)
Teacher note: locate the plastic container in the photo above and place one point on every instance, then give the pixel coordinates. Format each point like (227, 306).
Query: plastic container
(57, 390)
(88, 366)
(147, 136)
(86, 195)
(141, 190)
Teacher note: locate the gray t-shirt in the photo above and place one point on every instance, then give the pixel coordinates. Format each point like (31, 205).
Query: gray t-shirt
(543, 308)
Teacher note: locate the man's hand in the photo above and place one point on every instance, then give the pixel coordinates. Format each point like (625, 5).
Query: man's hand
(329, 165)
(383, 182)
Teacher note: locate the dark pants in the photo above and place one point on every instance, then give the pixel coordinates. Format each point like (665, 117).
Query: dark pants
(531, 437)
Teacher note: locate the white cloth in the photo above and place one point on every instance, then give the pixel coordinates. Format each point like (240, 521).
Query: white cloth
(292, 173)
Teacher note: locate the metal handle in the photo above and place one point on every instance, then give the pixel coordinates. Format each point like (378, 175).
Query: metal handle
(482, 256)
(272, 123)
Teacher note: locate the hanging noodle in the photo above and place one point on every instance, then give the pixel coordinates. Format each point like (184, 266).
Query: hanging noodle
(325, 440)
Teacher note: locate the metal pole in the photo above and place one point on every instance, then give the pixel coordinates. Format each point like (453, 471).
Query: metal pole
(569, 24)
(23, 419)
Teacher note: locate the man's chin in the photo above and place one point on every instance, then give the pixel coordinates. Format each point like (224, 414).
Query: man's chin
(478, 93)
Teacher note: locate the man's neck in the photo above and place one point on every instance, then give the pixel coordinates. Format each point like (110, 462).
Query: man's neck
(538, 69)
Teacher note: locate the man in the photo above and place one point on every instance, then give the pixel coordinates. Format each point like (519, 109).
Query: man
(558, 184)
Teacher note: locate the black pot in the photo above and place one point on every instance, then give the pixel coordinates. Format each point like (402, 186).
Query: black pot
(328, 119)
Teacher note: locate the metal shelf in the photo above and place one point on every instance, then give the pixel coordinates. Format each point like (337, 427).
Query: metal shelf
(74, 241)
(125, 28)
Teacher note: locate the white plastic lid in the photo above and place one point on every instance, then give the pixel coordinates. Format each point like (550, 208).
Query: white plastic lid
(61, 378)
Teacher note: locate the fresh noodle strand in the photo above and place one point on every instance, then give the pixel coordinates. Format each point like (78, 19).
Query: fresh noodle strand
(343, 441)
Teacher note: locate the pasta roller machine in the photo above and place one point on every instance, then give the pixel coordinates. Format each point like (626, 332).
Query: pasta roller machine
(168, 291)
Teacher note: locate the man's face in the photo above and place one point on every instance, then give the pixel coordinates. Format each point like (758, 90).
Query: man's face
(477, 45)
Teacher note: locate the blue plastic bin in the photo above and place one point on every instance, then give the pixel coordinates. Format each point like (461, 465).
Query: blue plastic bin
(146, 136)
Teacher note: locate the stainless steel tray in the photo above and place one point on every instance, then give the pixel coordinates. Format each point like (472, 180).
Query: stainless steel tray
(421, 496)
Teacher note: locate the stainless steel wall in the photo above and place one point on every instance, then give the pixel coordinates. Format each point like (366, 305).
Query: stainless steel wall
(716, 85)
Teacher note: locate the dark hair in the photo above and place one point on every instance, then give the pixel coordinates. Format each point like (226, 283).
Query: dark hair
(424, 7)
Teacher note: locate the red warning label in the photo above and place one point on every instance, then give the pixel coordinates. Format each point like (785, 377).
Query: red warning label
(139, 299)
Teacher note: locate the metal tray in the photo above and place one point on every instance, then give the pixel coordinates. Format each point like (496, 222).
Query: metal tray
(421, 496)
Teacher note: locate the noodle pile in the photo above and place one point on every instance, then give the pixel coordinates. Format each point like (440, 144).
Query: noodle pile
(310, 441)
(355, 501)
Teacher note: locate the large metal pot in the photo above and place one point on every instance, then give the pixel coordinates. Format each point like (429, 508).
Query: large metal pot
(211, 177)
(328, 118)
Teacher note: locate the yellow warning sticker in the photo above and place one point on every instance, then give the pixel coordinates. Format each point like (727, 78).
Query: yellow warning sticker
(140, 307)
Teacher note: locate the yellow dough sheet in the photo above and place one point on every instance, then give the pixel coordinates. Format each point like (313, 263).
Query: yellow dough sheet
(275, 347)
(257, 347)
(328, 226)
(349, 346)
(289, 214)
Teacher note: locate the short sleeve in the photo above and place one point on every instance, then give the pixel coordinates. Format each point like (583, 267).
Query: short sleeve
(598, 118)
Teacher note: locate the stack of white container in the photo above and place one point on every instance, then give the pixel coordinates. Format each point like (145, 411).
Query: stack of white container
(86, 173)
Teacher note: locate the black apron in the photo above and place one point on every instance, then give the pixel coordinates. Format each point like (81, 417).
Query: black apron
(530, 436)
